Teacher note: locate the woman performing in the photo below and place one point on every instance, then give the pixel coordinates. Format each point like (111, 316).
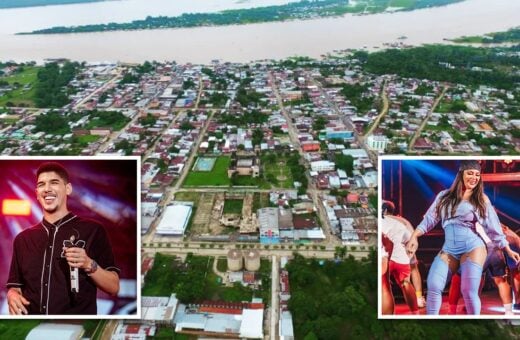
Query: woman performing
(459, 209)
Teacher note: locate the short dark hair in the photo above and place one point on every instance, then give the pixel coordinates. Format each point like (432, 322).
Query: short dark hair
(388, 207)
(53, 167)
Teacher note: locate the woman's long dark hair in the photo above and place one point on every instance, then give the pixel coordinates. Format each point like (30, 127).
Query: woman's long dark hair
(451, 198)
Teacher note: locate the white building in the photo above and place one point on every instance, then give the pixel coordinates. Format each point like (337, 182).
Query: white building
(321, 166)
(252, 324)
(175, 219)
(355, 153)
(56, 331)
(378, 142)
(160, 309)
(285, 327)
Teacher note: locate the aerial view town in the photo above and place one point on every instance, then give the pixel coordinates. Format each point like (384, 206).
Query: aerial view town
(259, 179)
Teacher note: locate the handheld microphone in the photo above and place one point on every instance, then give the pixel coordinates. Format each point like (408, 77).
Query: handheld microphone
(74, 274)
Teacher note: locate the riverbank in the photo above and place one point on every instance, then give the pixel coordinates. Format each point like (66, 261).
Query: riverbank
(269, 40)
(302, 10)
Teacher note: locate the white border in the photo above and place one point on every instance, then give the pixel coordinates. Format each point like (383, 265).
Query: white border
(136, 316)
(379, 240)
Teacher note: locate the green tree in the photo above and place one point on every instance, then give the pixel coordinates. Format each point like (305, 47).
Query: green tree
(186, 126)
(345, 163)
(310, 336)
(257, 136)
(319, 124)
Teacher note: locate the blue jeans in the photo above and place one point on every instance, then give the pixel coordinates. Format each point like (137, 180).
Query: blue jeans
(458, 241)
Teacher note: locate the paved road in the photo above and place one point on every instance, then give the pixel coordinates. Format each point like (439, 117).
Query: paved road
(169, 192)
(275, 301)
(114, 135)
(195, 248)
(425, 120)
(312, 191)
(382, 113)
(103, 87)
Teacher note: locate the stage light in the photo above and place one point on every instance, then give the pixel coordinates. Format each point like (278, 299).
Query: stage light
(14, 207)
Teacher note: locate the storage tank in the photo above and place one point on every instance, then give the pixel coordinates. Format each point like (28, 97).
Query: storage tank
(252, 258)
(234, 260)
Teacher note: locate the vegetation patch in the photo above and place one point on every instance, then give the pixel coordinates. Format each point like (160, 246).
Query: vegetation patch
(222, 265)
(52, 80)
(276, 170)
(216, 177)
(260, 200)
(87, 139)
(249, 181)
(233, 206)
(455, 64)
(188, 196)
(192, 282)
(510, 36)
(304, 9)
(346, 309)
(16, 329)
(21, 85)
(107, 119)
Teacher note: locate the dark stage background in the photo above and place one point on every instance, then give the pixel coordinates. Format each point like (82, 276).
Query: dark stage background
(103, 190)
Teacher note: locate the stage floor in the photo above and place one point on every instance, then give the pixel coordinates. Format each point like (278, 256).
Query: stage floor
(491, 305)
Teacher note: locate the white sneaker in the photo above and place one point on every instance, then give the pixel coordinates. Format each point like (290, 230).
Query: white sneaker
(421, 302)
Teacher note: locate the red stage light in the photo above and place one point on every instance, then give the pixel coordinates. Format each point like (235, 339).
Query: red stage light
(12, 207)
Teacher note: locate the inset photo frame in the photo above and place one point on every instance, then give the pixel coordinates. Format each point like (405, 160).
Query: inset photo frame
(448, 233)
(69, 238)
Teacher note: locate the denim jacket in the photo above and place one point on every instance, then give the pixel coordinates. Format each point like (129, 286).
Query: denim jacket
(465, 215)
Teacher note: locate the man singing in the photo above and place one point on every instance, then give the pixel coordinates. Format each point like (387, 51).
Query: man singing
(59, 263)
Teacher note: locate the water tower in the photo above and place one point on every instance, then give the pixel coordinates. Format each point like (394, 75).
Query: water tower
(234, 260)
(252, 258)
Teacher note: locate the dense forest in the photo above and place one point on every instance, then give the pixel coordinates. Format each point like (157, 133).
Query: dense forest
(337, 300)
(456, 64)
(304, 9)
(510, 36)
(32, 3)
(51, 83)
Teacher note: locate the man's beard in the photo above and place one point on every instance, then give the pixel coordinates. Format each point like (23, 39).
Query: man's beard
(51, 210)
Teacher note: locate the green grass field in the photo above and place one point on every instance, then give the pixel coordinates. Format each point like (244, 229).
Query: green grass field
(21, 96)
(216, 177)
(260, 200)
(115, 120)
(189, 197)
(249, 181)
(87, 139)
(222, 264)
(277, 172)
(233, 206)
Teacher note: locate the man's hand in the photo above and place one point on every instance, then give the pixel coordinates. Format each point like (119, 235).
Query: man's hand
(16, 302)
(77, 258)
(514, 255)
(412, 245)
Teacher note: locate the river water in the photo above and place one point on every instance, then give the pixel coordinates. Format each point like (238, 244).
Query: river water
(243, 43)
